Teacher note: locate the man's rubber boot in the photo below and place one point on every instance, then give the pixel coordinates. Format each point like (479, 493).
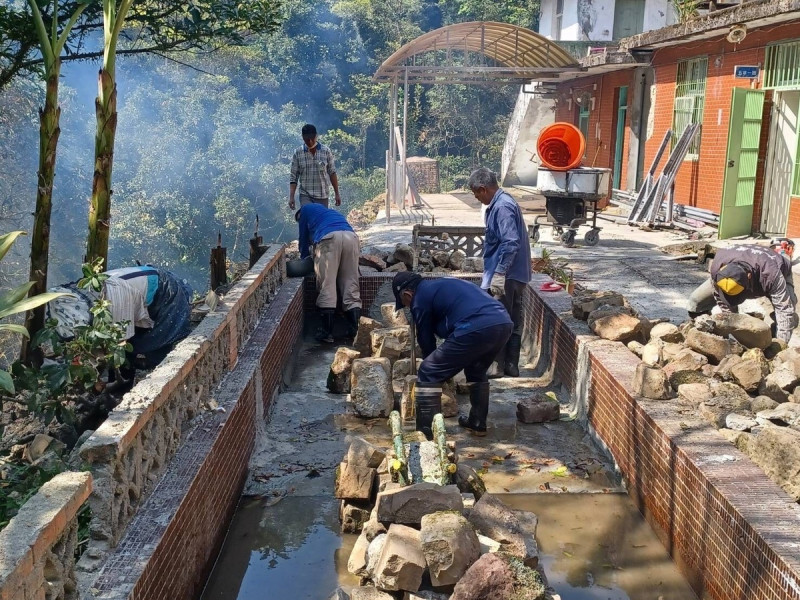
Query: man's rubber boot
(479, 409)
(325, 331)
(428, 402)
(353, 317)
(513, 347)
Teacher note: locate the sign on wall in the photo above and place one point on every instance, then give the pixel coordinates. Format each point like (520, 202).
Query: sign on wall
(746, 71)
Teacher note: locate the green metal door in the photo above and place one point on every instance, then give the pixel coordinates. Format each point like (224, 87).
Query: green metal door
(628, 18)
(619, 140)
(739, 186)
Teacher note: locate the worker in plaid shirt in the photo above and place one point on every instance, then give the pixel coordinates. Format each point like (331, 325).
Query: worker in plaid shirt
(312, 169)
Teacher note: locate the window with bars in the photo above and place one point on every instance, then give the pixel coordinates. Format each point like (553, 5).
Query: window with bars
(690, 91)
(559, 20)
(782, 66)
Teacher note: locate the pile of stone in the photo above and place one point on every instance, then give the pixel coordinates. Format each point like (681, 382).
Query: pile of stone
(402, 259)
(726, 369)
(429, 541)
(376, 370)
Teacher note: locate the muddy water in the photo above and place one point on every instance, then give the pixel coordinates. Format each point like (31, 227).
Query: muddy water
(598, 547)
(292, 550)
(593, 547)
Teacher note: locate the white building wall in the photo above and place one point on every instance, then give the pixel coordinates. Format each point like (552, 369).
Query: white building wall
(658, 14)
(570, 31)
(547, 14)
(596, 20)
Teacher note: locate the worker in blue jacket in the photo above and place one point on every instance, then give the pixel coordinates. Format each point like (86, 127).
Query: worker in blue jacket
(336, 251)
(506, 257)
(474, 327)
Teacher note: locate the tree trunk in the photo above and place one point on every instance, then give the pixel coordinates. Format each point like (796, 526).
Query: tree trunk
(100, 209)
(49, 131)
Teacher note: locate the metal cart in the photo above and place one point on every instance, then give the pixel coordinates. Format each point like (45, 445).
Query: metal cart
(571, 199)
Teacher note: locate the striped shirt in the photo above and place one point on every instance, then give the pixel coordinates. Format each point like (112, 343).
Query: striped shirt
(312, 172)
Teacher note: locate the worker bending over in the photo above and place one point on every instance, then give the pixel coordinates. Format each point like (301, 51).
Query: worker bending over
(336, 252)
(744, 272)
(474, 327)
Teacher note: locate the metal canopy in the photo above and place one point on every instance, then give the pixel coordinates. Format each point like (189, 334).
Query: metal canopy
(507, 53)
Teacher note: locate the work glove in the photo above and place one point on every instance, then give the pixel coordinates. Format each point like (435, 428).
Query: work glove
(497, 286)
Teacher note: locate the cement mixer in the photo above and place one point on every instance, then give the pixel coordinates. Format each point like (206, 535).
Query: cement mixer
(571, 191)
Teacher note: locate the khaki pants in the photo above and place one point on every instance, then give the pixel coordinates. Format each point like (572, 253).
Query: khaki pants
(336, 266)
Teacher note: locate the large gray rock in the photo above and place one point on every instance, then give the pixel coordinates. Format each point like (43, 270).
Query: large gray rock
(539, 409)
(685, 360)
(728, 398)
(653, 353)
(748, 331)
(363, 340)
(371, 387)
(666, 332)
(401, 563)
(494, 519)
(341, 368)
(777, 451)
(370, 260)
(399, 335)
(370, 593)
(712, 346)
(694, 394)
(469, 481)
(353, 482)
(397, 268)
(450, 546)
(748, 374)
(409, 504)
(449, 405)
(588, 301)
(457, 260)
(723, 369)
(353, 516)
(364, 454)
(473, 264)
(499, 577)
(441, 258)
(650, 382)
(784, 414)
(402, 367)
(616, 323)
(780, 383)
(740, 422)
(357, 563)
(393, 318)
(489, 578)
(403, 253)
(374, 551)
(760, 403)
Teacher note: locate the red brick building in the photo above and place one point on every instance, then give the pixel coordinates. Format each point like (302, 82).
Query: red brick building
(744, 166)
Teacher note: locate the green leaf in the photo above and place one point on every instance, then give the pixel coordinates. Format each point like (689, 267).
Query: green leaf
(6, 382)
(16, 294)
(30, 303)
(14, 328)
(560, 471)
(7, 240)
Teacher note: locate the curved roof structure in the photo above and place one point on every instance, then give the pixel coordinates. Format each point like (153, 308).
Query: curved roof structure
(508, 54)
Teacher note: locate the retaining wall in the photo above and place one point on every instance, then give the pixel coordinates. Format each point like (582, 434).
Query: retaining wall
(37, 548)
(732, 532)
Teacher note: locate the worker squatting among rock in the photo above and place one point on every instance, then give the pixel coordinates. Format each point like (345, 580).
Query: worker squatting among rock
(336, 252)
(744, 272)
(474, 327)
(506, 257)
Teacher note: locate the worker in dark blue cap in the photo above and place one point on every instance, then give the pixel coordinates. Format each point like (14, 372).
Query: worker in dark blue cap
(474, 327)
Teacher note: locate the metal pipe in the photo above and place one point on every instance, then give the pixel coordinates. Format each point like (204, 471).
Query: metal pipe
(405, 135)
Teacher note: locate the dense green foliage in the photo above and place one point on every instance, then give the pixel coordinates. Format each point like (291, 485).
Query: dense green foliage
(205, 148)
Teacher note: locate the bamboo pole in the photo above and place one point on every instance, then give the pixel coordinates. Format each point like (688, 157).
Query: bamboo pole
(399, 465)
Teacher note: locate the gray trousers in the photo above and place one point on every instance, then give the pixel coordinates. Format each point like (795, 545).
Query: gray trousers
(306, 199)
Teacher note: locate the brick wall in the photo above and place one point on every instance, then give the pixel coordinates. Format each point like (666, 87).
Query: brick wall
(793, 226)
(723, 521)
(602, 120)
(170, 546)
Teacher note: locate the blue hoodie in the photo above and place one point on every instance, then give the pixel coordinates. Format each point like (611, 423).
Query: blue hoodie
(316, 222)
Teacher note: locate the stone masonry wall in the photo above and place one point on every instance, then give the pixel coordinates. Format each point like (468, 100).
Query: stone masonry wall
(726, 525)
(130, 450)
(37, 548)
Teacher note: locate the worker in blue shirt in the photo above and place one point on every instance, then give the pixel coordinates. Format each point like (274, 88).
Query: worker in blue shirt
(506, 257)
(336, 252)
(474, 327)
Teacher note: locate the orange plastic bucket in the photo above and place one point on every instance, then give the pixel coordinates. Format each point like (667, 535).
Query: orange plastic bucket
(561, 147)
